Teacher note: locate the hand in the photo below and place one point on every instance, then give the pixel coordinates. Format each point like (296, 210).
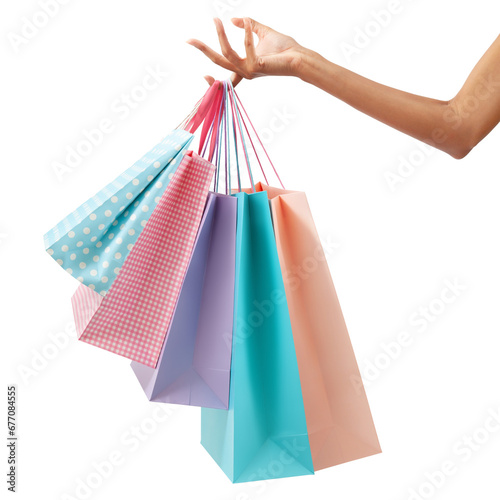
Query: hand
(275, 54)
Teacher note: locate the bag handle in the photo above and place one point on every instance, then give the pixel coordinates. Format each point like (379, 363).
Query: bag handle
(223, 114)
(262, 145)
(204, 108)
(215, 118)
(235, 111)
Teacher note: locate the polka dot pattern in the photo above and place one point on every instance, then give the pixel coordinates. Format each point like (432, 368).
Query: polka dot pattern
(134, 316)
(115, 216)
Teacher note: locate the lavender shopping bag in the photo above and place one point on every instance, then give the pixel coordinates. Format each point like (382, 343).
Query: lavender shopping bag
(194, 364)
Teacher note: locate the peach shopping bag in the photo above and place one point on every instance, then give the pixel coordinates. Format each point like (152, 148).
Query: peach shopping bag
(339, 421)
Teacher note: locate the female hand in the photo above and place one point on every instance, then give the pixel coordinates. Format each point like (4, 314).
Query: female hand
(275, 53)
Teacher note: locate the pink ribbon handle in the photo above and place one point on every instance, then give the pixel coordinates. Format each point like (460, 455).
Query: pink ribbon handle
(211, 119)
(203, 109)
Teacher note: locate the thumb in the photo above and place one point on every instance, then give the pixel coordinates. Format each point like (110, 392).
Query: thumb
(235, 79)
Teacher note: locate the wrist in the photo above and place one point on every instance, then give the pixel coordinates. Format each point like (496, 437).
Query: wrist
(310, 62)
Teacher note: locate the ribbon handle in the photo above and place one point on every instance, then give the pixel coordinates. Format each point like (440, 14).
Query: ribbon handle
(223, 115)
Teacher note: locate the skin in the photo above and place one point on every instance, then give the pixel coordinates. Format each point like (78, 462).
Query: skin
(455, 126)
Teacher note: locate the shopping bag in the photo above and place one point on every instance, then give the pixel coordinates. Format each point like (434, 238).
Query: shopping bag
(194, 364)
(94, 240)
(84, 303)
(263, 434)
(134, 316)
(339, 421)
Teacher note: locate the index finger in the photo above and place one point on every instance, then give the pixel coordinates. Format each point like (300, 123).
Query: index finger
(249, 44)
(227, 50)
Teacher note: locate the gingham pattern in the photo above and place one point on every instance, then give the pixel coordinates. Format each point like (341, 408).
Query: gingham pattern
(135, 313)
(85, 302)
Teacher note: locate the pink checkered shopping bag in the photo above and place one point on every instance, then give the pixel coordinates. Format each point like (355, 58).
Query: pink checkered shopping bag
(135, 313)
(85, 302)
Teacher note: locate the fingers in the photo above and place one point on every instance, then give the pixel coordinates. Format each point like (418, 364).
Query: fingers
(209, 79)
(249, 45)
(237, 21)
(211, 54)
(235, 79)
(230, 59)
(227, 50)
(258, 28)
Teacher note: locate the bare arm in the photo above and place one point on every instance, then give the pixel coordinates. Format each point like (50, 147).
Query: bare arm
(453, 126)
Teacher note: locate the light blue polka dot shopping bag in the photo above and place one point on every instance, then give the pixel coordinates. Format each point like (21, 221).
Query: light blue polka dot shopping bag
(92, 242)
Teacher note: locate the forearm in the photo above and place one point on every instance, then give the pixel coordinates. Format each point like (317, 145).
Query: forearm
(428, 120)
(453, 126)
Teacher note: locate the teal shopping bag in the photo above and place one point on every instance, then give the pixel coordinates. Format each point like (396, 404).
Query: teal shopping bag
(263, 434)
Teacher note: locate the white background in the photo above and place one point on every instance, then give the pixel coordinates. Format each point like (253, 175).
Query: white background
(393, 249)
